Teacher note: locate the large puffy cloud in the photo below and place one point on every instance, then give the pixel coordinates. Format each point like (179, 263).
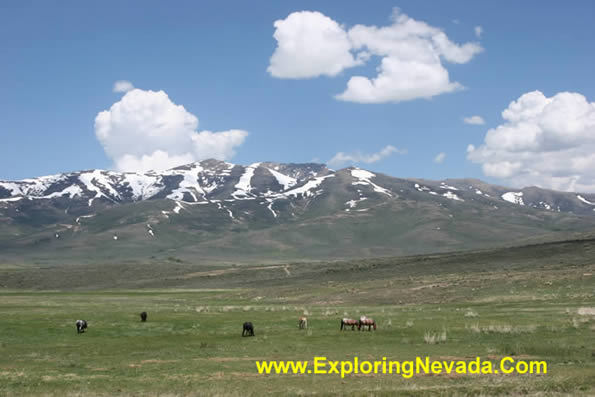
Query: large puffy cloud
(145, 130)
(310, 44)
(342, 158)
(411, 54)
(546, 142)
(399, 81)
(411, 67)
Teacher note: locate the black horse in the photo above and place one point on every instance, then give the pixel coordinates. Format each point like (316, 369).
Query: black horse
(143, 316)
(81, 326)
(248, 329)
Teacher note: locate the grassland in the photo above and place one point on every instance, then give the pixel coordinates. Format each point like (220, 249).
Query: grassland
(532, 303)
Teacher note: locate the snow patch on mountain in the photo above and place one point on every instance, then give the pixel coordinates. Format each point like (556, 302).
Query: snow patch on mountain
(283, 180)
(32, 187)
(353, 203)
(307, 189)
(420, 188)
(584, 200)
(364, 177)
(270, 207)
(448, 187)
(78, 219)
(514, 197)
(12, 187)
(94, 181)
(452, 196)
(546, 205)
(178, 207)
(72, 191)
(143, 186)
(243, 187)
(11, 199)
(188, 185)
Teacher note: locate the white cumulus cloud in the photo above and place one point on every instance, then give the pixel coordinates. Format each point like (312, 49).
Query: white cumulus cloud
(310, 44)
(544, 141)
(342, 158)
(439, 158)
(145, 130)
(475, 120)
(122, 86)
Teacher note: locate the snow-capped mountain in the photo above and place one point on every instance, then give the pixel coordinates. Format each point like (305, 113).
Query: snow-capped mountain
(212, 181)
(277, 209)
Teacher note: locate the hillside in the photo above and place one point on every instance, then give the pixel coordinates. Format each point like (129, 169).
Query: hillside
(577, 255)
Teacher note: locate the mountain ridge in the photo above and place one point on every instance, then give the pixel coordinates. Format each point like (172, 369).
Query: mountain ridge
(215, 210)
(136, 186)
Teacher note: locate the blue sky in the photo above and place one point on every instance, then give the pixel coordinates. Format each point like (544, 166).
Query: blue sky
(60, 60)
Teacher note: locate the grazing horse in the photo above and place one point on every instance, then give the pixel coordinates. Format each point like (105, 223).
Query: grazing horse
(143, 316)
(366, 321)
(81, 326)
(346, 322)
(248, 329)
(303, 323)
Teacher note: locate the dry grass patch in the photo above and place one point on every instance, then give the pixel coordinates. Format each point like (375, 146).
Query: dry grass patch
(471, 313)
(501, 328)
(586, 311)
(433, 338)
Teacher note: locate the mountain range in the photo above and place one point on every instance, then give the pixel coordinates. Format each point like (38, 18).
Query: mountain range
(222, 212)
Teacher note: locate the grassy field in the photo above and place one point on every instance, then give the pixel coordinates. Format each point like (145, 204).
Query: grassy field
(510, 303)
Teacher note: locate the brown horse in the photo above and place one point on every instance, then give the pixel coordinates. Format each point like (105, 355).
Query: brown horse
(366, 321)
(303, 323)
(346, 322)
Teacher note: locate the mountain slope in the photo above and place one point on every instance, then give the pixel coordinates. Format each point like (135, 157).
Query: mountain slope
(217, 211)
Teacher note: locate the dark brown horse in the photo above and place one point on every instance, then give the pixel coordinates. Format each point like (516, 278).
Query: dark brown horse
(348, 322)
(248, 329)
(366, 321)
(143, 316)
